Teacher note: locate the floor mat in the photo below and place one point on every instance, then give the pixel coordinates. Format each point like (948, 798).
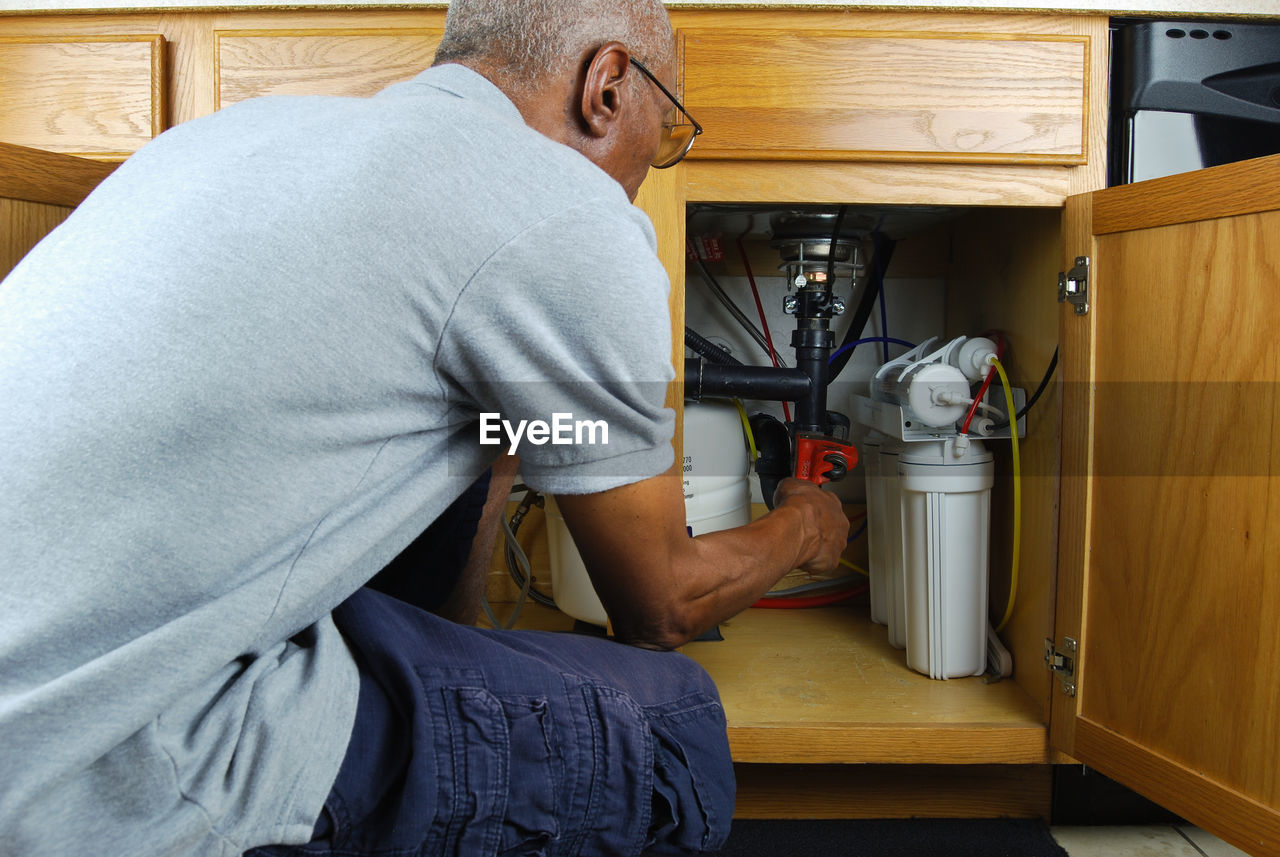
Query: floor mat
(1013, 837)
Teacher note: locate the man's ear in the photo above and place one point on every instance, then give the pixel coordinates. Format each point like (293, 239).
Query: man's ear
(603, 93)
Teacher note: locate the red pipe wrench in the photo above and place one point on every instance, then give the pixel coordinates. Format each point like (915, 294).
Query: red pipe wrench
(821, 458)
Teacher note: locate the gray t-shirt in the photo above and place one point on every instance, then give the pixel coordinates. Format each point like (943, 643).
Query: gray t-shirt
(234, 384)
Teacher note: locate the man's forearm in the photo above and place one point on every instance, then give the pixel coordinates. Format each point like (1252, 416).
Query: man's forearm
(662, 588)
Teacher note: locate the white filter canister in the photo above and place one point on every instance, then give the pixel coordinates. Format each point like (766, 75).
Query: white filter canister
(876, 560)
(895, 603)
(946, 517)
(717, 496)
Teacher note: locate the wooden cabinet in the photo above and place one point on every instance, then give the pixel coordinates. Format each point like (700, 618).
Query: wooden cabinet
(38, 190)
(936, 109)
(349, 61)
(852, 699)
(910, 94)
(101, 85)
(99, 96)
(1149, 508)
(1148, 562)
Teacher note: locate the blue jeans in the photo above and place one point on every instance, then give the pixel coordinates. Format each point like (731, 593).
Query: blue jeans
(474, 742)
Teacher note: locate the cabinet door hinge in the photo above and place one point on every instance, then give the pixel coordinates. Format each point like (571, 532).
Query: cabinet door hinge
(1073, 285)
(1061, 661)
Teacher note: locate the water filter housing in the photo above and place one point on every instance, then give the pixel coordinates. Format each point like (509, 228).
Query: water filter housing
(946, 515)
(876, 513)
(884, 536)
(895, 570)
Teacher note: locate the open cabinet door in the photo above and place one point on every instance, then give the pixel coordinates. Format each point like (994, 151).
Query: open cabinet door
(1169, 560)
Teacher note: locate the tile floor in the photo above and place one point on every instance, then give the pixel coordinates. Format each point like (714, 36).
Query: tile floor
(1155, 840)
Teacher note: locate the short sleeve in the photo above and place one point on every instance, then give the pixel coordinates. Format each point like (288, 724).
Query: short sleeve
(560, 345)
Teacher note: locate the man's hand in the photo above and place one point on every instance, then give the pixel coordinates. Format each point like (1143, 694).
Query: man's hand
(825, 526)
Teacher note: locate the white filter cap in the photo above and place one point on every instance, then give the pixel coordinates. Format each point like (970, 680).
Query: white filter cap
(974, 357)
(932, 385)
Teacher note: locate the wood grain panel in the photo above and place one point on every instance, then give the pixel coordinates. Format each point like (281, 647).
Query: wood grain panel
(825, 686)
(893, 791)
(40, 176)
(888, 743)
(1240, 820)
(1182, 597)
(662, 196)
(348, 62)
(1008, 285)
(887, 96)
(22, 225)
(1177, 498)
(893, 183)
(191, 90)
(1189, 197)
(96, 96)
(1075, 369)
(1093, 175)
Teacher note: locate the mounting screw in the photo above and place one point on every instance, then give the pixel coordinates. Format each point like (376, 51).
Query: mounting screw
(837, 306)
(789, 304)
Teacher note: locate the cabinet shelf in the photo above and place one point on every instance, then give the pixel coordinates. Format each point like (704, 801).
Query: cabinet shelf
(824, 686)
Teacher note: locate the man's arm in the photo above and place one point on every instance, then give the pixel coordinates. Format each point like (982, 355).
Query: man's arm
(662, 588)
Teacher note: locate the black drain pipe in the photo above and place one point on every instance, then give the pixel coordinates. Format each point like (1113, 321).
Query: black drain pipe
(765, 383)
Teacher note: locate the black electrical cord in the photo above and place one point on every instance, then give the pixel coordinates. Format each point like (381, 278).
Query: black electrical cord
(1044, 382)
(831, 248)
(883, 250)
(711, 352)
(721, 295)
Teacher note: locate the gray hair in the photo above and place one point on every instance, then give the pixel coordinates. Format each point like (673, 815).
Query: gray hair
(528, 39)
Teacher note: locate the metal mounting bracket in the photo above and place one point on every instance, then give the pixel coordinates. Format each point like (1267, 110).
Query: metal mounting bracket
(1062, 662)
(1073, 286)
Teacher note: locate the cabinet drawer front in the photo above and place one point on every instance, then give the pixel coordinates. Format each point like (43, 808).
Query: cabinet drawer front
(887, 96)
(100, 97)
(318, 62)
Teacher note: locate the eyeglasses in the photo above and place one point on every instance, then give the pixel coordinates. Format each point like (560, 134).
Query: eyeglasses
(677, 134)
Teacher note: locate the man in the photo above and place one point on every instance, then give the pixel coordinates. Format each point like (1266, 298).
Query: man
(247, 373)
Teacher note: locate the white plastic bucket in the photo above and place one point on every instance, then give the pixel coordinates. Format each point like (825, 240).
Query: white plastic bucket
(570, 584)
(717, 496)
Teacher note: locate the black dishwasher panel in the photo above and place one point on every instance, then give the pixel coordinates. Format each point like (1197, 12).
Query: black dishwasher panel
(1191, 94)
